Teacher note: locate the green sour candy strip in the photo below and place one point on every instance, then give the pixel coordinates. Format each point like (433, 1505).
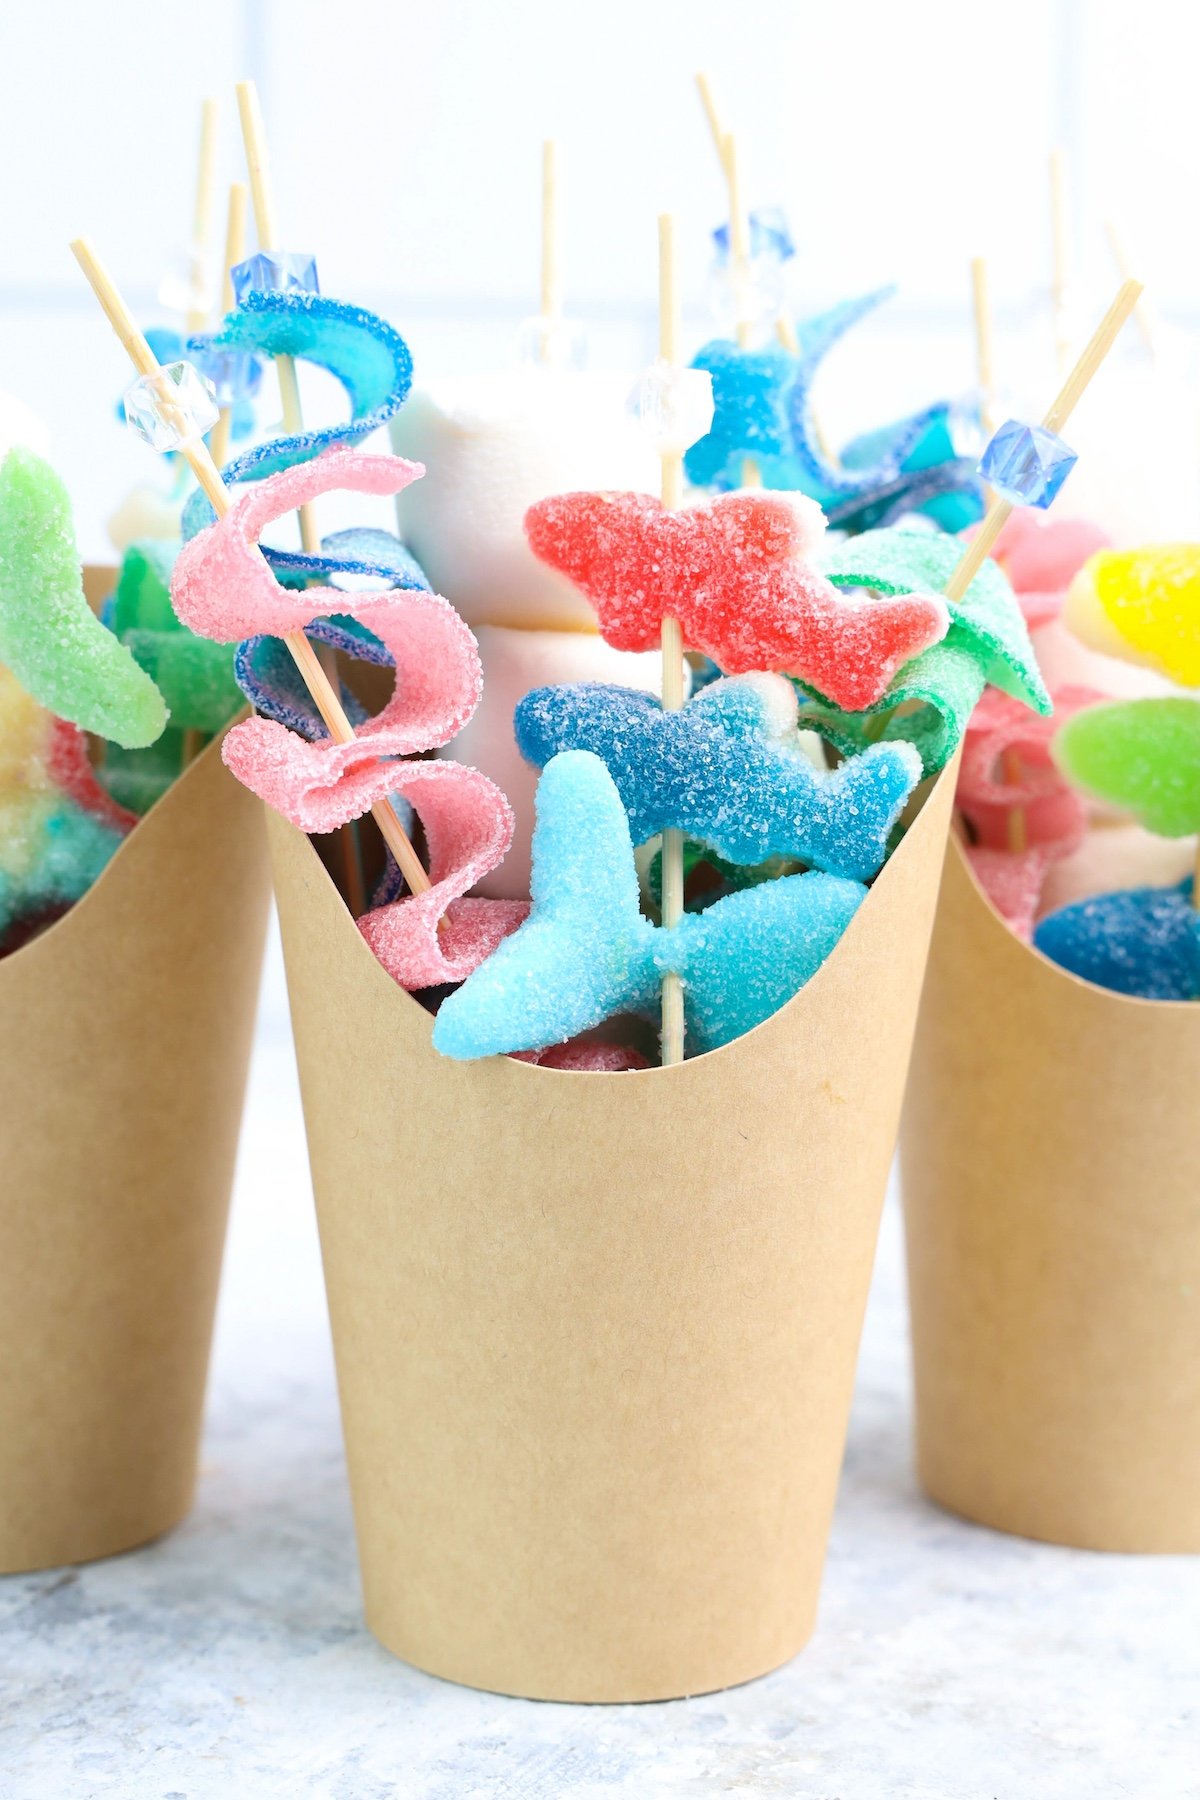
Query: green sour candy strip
(1143, 755)
(49, 637)
(987, 623)
(194, 676)
(939, 689)
(136, 779)
(143, 597)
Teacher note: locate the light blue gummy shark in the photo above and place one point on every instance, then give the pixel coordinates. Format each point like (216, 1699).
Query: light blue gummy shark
(586, 952)
(727, 769)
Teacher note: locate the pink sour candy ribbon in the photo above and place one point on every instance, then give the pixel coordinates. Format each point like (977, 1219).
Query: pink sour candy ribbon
(1055, 814)
(223, 588)
(738, 573)
(1041, 556)
(1012, 881)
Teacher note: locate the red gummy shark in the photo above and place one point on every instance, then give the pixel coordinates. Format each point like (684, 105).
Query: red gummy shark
(737, 573)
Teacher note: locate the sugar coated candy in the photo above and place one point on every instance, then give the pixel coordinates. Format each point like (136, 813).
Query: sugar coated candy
(1142, 606)
(1143, 942)
(195, 677)
(877, 477)
(585, 1058)
(987, 643)
(516, 663)
(587, 953)
(1012, 882)
(223, 587)
(492, 447)
(1143, 755)
(358, 348)
(750, 417)
(728, 770)
(740, 575)
(1041, 557)
(1007, 765)
(1116, 854)
(49, 636)
(58, 828)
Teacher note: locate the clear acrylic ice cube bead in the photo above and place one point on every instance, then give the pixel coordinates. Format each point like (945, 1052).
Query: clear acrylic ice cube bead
(171, 406)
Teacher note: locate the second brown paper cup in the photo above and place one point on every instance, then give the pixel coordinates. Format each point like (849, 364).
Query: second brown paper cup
(127, 1031)
(1051, 1176)
(596, 1335)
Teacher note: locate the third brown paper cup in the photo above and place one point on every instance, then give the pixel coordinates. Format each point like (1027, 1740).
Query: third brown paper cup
(1051, 1175)
(596, 1335)
(126, 1030)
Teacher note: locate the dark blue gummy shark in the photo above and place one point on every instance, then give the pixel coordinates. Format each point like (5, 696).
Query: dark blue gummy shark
(727, 770)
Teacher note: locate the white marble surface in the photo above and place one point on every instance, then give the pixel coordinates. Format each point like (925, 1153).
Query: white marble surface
(230, 1662)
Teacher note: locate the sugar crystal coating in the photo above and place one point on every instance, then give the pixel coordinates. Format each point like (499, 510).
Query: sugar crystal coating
(1143, 606)
(1143, 755)
(587, 953)
(221, 585)
(739, 574)
(728, 769)
(58, 828)
(49, 637)
(1142, 941)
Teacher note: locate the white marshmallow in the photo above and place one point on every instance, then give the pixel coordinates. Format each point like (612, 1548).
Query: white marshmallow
(491, 447)
(1112, 857)
(514, 662)
(19, 424)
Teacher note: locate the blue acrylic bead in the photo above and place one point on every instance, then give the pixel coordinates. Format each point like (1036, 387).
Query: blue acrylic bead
(235, 374)
(1026, 463)
(275, 272)
(769, 235)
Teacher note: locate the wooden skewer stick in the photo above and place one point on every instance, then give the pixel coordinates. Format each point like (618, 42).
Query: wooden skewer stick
(672, 639)
(739, 256)
(254, 137)
(984, 367)
(1060, 255)
(1059, 412)
(208, 475)
(235, 249)
(1141, 312)
(202, 221)
(552, 290)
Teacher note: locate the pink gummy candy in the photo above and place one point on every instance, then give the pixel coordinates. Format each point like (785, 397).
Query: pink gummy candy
(737, 572)
(1012, 882)
(1041, 556)
(1055, 814)
(223, 588)
(584, 1058)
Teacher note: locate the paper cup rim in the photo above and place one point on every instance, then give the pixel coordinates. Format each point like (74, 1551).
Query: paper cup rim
(920, 831)
(1054, 971)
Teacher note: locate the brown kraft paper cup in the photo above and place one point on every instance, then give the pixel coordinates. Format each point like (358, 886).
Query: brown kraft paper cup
(127, 1027)
(596, 1335)
(1051, 1177)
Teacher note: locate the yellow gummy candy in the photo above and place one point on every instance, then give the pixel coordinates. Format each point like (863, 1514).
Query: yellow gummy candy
(1142, 606)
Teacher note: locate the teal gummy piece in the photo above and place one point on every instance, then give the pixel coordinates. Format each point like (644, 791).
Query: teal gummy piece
(143, 593)
(587, 953)
(138, 779)
(49, 636)
(72, 850)
(987, 623)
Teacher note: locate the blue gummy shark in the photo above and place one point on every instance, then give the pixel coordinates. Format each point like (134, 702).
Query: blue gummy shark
(728, 770)
(586, 952)
(762, 410)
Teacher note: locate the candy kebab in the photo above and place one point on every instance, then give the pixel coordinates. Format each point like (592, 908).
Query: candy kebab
(166, 401)
(729, 578)
(276, 270)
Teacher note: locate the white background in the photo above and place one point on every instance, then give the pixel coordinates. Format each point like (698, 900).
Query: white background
(405, 138)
